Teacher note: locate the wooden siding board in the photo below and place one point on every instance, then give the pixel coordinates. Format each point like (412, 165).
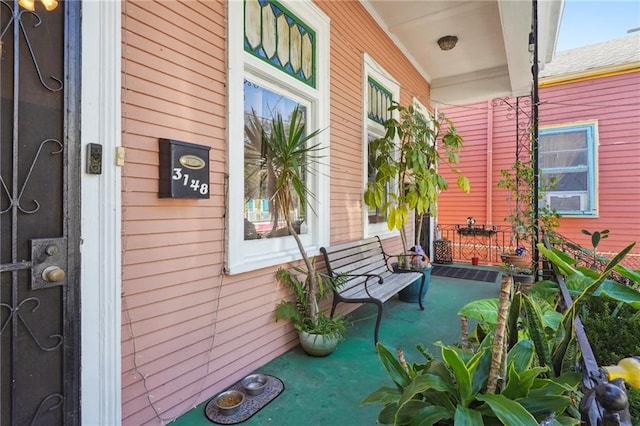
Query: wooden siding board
(176, 264)
(160, 226)
(202, 76)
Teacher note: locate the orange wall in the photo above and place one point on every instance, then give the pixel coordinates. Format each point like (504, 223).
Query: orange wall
(490, 134)
(187, 328)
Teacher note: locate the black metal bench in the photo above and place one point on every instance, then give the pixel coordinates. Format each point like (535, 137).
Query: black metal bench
(367, 273)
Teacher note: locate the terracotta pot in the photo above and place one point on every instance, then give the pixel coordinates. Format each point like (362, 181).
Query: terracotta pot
(475, 260)
(517, 261)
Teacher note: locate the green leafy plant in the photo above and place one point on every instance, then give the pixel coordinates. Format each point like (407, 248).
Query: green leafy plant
(499, 382)
(452, 390)
(612, 331)
(520, 181)
(596, 237)
(299, 310)
(583, 282)
(611, 323)
(407, 159)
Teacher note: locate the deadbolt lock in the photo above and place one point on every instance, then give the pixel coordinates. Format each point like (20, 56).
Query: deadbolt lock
(53, 274)
(49, 262)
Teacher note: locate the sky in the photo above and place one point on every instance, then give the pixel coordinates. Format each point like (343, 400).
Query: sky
(586, 22)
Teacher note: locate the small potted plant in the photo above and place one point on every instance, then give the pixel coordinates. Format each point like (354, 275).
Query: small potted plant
(516, 257)
(319, 336)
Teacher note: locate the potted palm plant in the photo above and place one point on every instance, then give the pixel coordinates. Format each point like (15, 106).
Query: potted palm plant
(292, 157)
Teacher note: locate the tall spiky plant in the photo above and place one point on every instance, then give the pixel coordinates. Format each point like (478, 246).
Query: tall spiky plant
(292, 160)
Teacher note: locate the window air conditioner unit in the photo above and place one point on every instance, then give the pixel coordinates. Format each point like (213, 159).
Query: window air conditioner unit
(567, 202)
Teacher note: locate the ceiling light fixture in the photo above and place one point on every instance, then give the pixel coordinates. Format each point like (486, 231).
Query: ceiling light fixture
(447, 42)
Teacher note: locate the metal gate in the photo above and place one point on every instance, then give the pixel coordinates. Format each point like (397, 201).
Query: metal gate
(39, 213)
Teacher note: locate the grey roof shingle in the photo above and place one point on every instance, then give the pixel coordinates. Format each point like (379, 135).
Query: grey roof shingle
(613, 52)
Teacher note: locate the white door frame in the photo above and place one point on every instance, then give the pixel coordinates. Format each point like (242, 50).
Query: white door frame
(101, 267)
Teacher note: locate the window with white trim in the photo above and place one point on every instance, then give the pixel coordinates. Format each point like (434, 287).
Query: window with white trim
(278, 61)
(568, 168)
(380, 89)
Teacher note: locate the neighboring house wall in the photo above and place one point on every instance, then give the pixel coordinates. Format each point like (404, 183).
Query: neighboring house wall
(612, 100)
(188, 329)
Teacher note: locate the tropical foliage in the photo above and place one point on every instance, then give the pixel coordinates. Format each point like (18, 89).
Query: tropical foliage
(521, 367)
(407, 160)
(299, 310)
(520, 181)
(611, 316)
(452, 390)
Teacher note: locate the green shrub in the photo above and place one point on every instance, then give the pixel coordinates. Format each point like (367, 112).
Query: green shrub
(613, 335)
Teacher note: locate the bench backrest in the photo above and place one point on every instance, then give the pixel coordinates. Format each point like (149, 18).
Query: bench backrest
(356, 257)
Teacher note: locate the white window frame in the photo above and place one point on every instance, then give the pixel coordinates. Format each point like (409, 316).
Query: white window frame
(372, 69)
(588, 209)
(247, 255)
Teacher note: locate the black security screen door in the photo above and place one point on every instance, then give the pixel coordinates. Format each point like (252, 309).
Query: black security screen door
(39, 153)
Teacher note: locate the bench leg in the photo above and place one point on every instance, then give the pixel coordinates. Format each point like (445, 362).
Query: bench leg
(333, 306)
(378, 320)
(421, 288)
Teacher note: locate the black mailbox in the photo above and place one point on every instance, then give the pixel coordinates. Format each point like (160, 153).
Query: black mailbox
(184, 170)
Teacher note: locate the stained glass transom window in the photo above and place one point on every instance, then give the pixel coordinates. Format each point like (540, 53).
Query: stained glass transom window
(379, 102)
(275, 35)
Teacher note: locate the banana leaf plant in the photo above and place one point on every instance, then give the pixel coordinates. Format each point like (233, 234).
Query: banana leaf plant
(535, 316)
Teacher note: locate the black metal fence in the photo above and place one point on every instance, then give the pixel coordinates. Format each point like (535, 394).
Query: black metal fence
(586, 257)
(485, 242)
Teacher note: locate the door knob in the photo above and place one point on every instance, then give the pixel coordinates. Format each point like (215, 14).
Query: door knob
(53, 274)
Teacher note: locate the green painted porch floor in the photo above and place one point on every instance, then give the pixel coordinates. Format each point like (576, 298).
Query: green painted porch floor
(328, 391)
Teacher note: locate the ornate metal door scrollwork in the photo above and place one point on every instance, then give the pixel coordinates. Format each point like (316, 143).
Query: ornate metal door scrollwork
(39, 325)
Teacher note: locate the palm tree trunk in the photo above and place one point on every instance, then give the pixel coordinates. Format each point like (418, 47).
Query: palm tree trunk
(464, 332)
(499, 337)
(311, 274)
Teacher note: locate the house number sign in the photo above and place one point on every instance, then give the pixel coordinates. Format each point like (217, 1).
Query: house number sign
(184, 170)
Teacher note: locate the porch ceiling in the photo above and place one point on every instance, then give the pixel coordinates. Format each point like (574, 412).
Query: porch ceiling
(491, 58)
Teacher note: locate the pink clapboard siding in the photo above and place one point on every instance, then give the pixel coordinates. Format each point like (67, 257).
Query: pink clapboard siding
(188, 329)
(613, 100)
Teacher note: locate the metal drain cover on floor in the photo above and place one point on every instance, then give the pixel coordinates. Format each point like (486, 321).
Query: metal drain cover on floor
(250, 406)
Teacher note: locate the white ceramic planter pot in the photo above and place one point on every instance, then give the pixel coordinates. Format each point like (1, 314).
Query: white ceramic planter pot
(318, 344)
